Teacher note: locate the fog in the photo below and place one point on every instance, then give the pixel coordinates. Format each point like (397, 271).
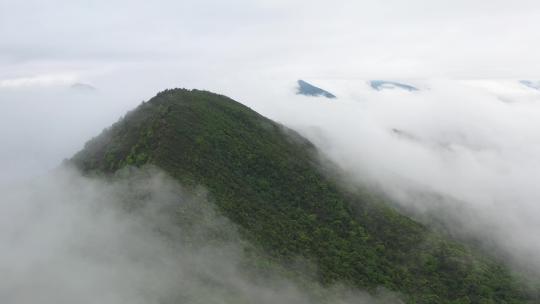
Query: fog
(460, 153)
(138, 238)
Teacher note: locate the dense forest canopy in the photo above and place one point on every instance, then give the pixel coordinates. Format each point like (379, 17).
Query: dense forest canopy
(266, 179)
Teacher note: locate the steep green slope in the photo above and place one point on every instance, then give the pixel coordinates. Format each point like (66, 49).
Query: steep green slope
(265, 178)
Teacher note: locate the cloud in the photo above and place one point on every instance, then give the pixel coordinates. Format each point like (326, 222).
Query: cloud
(40, 80)
(370, 39)
(466, 155)
(139, 238)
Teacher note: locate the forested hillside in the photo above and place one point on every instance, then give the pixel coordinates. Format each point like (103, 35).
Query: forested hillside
(266, 179)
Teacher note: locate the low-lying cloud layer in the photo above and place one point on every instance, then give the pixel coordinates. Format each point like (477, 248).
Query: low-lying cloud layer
(464, 153)
(139, 238)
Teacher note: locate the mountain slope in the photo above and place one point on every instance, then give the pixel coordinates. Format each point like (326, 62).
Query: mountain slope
(265, 178)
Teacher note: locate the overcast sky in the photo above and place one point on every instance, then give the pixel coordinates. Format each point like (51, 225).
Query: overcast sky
(87, 40)
(129, 50)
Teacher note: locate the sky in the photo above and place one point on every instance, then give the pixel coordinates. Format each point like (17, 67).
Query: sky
(129, 50)
(89, 39)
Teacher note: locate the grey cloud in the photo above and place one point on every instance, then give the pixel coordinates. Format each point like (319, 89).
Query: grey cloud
(472, 164)
(139, 238)
(369, 38)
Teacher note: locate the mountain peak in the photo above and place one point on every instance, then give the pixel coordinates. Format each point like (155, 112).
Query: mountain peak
(535, 85)
(266, 179)
(307, 89)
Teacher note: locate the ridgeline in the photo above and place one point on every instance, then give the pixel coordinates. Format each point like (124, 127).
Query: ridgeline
(266, 179)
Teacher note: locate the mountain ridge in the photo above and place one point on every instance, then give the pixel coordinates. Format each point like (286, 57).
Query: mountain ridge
(266, 179)
(307, 89)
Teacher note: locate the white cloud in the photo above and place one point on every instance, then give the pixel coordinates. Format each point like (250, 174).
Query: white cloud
(369, 39)
(66, 238)
(473, 142)
(39, 81)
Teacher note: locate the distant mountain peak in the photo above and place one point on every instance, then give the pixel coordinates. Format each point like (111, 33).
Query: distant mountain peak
(535, 85)
(384, 84)
(307, 89)
(265, 178)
